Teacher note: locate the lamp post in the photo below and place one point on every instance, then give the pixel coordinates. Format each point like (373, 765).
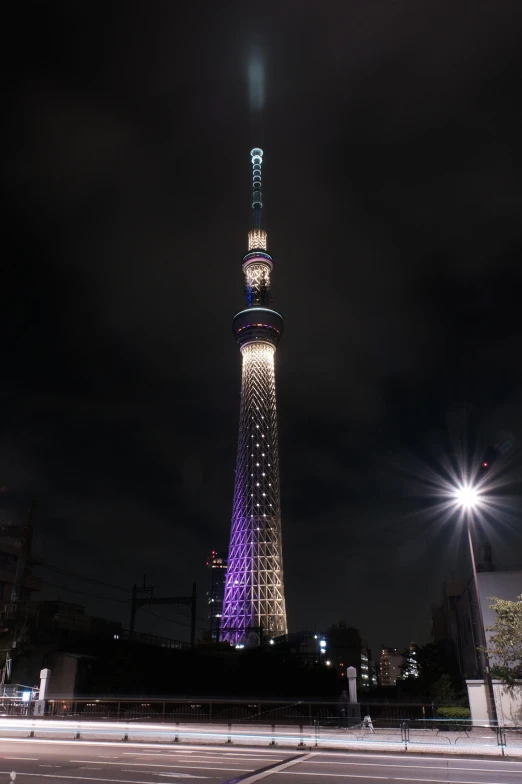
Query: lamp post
(469, 500)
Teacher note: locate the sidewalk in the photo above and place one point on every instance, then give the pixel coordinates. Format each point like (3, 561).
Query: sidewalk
(476, 741)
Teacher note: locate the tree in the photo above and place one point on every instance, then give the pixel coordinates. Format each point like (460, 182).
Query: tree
(505, 642)
(434, 661)
(442, 691)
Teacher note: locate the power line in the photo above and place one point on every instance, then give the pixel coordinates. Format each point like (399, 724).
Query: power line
(116, 587)
(84, 577)
(84, 593)
(185, 614)
(170, 620)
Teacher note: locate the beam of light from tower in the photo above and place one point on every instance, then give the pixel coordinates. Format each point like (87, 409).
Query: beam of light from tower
(256, 80)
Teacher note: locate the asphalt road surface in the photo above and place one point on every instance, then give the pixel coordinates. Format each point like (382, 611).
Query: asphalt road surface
(84, 761)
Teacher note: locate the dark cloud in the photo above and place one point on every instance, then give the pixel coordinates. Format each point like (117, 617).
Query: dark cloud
(393, 199)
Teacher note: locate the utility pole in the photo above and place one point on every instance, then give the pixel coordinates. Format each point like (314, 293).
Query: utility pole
(13, 612)
(17, 594)
(134, 599)
(137, 602)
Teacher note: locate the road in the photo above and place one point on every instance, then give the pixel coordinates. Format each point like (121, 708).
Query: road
(57, 762)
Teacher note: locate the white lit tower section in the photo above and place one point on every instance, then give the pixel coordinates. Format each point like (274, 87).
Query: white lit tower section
(254, 604)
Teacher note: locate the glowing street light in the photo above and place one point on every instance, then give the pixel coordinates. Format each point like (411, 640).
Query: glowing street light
(470, 499)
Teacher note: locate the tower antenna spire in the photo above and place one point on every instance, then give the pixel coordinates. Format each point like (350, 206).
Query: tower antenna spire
(257, 235)
(257, 198)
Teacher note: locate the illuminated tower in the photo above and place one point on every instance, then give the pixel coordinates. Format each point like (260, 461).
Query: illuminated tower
(254, 605)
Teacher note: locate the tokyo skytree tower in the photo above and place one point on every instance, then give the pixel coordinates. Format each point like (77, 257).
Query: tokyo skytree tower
(254, 603)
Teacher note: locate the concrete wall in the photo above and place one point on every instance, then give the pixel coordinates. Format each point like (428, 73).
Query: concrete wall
(477, 702)
(502, 585)
(508, 703)
(63, 668)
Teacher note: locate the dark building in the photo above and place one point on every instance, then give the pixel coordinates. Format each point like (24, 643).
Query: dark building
(17, 581)
(390, 665)
(345, 648)
(217, 563)
(444, 615)
(456, 621)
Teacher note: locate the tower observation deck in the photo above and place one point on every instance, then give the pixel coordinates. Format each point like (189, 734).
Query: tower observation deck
(254, 603)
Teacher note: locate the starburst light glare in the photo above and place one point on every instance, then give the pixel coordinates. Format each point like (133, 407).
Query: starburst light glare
(467, 497)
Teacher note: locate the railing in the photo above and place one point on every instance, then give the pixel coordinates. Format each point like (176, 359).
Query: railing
(222, 710)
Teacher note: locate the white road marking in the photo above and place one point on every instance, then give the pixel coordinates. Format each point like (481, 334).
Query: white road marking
(176, 775)
(183, 775)
(118, 744)
(155, 765)
(280, 768)
(80, 778)
(151, 754)
(385, 778)
(31, 759)
(443, 766)
(354, 754)
(196, 755)
(49, 766)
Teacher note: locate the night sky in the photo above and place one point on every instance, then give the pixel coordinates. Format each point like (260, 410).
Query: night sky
(393, 203)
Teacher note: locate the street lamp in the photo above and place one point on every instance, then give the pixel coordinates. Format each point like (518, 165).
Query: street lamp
(470, 498)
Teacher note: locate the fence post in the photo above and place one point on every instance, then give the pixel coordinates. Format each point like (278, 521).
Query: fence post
(405, 733)
(501, 738)
(300, 745)
(176, 736)
(272, 742)
(229, 733)
(316, 723)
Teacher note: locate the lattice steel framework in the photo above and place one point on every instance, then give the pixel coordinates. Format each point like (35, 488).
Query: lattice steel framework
(254, 603)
